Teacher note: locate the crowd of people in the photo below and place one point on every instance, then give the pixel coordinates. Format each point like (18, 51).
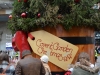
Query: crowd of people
(5, 66)
(28, 65)
(83, 66)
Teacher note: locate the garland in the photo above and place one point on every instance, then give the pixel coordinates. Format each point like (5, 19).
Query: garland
(28, 15)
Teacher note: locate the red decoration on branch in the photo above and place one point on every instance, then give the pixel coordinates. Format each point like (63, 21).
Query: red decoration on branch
(77, 1)
(23, 15)
(19, 0)
(59, 16)
(10, 16)
(39, 15)
(25, 0)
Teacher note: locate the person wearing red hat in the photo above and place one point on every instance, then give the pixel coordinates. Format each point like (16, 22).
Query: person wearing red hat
(28, 65)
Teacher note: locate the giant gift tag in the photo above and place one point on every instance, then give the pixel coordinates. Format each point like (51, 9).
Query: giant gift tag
(60, 52)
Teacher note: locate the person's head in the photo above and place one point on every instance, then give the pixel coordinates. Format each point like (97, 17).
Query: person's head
(83, 55)
(44, 59)
(4, 57)
(25, 53)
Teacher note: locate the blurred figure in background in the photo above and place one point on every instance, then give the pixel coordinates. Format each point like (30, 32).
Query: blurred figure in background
(83, 59)
(5, 66)
(28, 65)
(45, 60)
(83, 66)
(15, 60)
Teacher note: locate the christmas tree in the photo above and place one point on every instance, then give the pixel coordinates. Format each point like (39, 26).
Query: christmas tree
(28, 15)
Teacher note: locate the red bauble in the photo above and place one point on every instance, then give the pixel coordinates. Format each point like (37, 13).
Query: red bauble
(25, 0)
(10, 16)
(39, 15)
(59, 16)
(23, 15)
(18, 0)
(77, 1)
